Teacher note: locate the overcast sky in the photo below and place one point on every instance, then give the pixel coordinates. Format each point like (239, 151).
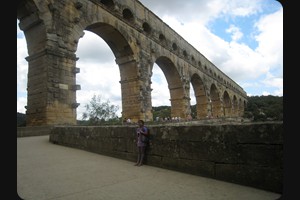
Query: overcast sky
(243, 38)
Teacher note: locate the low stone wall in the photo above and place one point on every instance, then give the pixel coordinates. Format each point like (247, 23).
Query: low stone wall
(33, 131)
(246, 154)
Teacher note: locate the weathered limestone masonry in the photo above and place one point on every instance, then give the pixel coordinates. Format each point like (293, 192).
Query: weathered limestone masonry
(246, 154)
(33, 131)
(138, 39)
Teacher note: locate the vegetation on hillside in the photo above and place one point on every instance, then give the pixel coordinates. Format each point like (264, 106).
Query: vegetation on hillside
(261, 108)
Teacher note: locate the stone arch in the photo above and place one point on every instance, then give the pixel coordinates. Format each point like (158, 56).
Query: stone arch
(226, 104)
(234, 106)
(244, 106)
(162, 39)
(241, 108)
(128, 15)
(200, 95)
(175, 85)
(131, 93)
(53, 29)
(114, 39)
(146, 27)
(60, 102)
(215, 109)
(174, 46)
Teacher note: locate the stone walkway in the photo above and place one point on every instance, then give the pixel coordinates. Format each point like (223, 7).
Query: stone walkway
(47, 171)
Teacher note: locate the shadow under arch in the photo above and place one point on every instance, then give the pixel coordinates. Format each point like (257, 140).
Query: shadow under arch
(215, 102)
(200, 96)
(226, 104)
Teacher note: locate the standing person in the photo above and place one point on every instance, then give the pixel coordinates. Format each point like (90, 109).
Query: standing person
(141, 133)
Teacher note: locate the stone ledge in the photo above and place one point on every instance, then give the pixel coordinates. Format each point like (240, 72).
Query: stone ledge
(33, 131)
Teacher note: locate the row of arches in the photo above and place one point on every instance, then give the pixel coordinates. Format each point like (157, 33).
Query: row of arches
(211, 101)
(157, 35)
(52, 66)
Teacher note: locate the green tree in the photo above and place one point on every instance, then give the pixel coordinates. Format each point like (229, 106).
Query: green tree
(98, 111)
(161, 112)
(262, 108)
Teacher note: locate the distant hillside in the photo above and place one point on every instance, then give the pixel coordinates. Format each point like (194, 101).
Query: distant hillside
(21, 119)
(262, 108)
(259, 108)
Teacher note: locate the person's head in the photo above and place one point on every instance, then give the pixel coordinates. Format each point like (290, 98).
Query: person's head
(141, 122)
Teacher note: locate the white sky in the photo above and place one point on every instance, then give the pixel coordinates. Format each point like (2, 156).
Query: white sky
(243, 38)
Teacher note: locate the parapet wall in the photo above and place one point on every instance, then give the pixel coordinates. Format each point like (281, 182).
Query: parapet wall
(246, 154)
(33, 131)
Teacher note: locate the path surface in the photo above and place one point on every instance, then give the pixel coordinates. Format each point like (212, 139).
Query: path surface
(47, 171)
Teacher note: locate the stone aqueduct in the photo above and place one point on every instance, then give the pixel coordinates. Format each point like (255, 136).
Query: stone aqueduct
(138, 39)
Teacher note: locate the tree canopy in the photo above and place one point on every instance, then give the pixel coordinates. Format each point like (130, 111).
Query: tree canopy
(261, 108)
(99, 111)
